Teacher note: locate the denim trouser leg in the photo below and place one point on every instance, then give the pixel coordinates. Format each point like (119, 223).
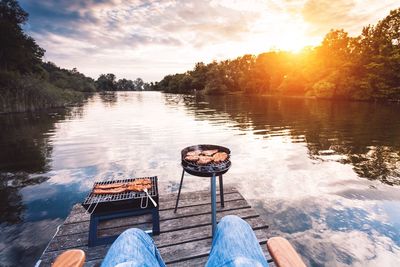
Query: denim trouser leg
(133, 248)
(235, 244)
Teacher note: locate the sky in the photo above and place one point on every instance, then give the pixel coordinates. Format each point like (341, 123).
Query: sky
(150, 39)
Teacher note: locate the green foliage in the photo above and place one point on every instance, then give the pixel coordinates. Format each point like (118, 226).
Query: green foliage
(18, 52)
(106, 82)
(27, 83)
(324, 89)
(67, 79)
(125, 85)
(365, 67)
(29, 93)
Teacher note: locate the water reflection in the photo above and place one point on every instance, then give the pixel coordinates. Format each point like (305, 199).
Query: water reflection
(325, 175)
(109, 98)
(361, 134)
(25, 160)
(332, 218)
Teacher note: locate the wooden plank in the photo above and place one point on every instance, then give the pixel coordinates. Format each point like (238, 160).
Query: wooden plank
(78, 213)
(197, 199)
(168, 214)
(94, 263)
(195, 249)
(186, 222)
(185, 236)
(201, 261)
(198, 233)
(80, 227)
(164, 239)
(191, 195)
(196, 262)
(173, 253)
(182, 212)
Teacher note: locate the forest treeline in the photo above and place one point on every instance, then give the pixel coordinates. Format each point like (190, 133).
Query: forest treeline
(365, 67)
(28, 83)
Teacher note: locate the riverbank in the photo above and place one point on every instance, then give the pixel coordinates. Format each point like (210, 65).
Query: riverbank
(41, 99)
(32, 92)
(241, 93)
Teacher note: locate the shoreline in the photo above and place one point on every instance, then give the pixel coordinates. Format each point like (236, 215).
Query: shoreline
(86, 95)
(396, 101)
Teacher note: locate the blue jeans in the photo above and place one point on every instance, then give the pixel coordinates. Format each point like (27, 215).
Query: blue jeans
(235, 244)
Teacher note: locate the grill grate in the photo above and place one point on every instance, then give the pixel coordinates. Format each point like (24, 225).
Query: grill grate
(104, 201)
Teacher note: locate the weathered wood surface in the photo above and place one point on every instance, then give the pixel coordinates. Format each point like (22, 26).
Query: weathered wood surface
(185, 237)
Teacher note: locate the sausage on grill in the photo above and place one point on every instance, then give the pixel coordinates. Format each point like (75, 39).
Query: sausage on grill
(117, 188)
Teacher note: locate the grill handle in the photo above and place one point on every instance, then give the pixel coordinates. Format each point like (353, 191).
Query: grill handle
(148, 195)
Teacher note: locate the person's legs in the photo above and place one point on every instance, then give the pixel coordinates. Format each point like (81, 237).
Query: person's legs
(133, 248)
(235, 244)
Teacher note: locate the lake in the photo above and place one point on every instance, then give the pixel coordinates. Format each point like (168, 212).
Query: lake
(325, 175)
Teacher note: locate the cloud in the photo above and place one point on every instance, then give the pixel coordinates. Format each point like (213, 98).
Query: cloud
(152, 38)
(135, 23)
(350, 15)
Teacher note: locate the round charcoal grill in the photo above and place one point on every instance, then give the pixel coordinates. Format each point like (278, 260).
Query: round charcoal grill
(209, 169)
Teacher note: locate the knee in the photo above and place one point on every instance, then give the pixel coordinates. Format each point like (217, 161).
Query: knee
(233, 221)
(133, 234)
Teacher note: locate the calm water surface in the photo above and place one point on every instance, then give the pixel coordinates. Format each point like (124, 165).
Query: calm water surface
(325, 175)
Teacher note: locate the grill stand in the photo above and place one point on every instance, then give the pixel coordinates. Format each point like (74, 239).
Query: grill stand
(213, 198)
(96, 218)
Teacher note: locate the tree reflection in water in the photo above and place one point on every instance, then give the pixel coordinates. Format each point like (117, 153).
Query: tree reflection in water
(25, 150)
(365, 135)
(109, 98)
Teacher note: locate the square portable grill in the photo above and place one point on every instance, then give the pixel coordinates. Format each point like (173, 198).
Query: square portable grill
(111, 206)
(98, 203)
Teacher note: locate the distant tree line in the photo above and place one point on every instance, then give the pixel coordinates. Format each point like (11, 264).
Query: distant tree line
(365, 67)
(27, 83)
(108, 82)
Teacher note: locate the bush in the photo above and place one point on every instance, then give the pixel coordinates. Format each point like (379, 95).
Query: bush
(324, 89)
(215, 89)
(29, 93)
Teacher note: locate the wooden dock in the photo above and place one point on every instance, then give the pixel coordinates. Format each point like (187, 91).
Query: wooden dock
(185, 237)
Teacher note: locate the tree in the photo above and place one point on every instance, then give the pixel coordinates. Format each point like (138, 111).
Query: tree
(364, 67)
(18, 52)
(125, 85)
(199, 76)
(106, 82)
(138, 83)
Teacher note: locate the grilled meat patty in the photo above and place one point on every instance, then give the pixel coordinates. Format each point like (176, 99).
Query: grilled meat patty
(192, 158)
(193, 153)
(220, 156)
(209, 152)
(203, 160)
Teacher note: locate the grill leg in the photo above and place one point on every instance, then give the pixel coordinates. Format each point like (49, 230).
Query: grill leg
(213, 204)
(94, 221)
(156, 221)
(221, 191)
(179, 192)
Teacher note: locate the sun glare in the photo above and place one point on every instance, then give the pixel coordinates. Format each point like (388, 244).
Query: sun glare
(280, 32)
